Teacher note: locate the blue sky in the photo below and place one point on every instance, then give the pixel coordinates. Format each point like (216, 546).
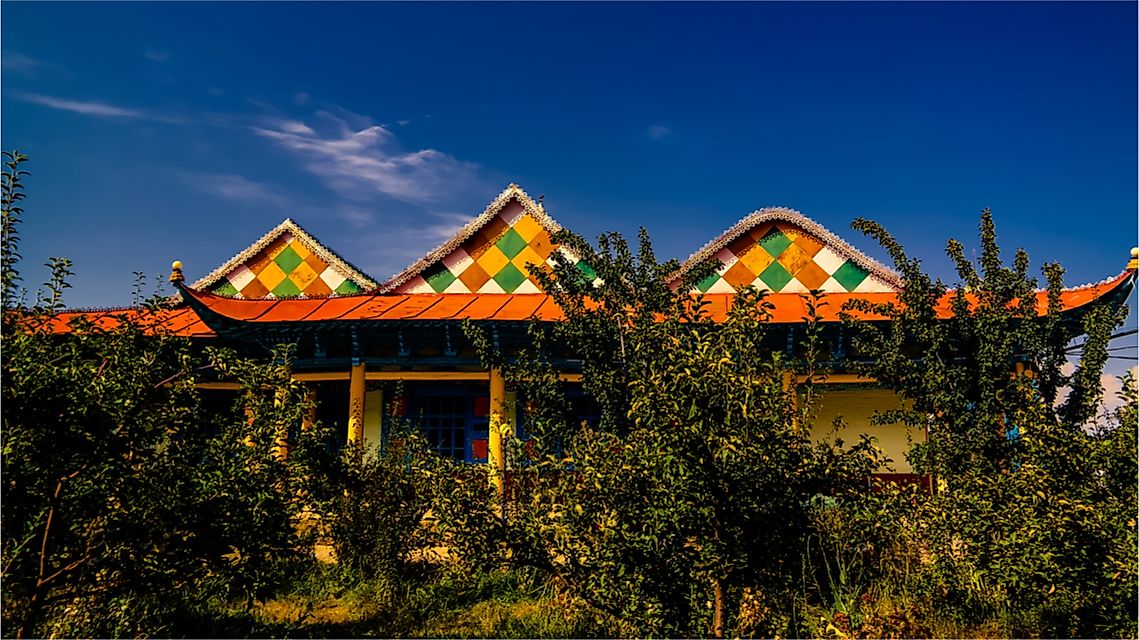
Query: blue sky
(162, 131)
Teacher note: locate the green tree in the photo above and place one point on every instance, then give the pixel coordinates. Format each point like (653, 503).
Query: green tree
(691, 495)
(1034, 520)
(121, 493)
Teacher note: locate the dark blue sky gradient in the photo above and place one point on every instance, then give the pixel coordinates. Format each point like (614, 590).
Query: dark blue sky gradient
(163, 131)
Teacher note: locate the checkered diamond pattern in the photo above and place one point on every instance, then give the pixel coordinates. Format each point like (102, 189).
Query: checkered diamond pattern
(285, 268)
(494, 259)
(781, 257)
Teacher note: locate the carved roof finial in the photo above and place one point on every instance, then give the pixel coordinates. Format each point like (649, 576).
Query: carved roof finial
(176, 271)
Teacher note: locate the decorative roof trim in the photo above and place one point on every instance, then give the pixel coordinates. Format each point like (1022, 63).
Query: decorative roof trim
(511, 192)
(314, 245)
(784, 214)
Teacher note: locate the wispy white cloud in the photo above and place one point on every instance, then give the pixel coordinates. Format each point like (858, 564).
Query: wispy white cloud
(360, 163)
(20, 64)
(156, 55)
(294, 127)
(91, 108)
(659, 132)
(231, 186)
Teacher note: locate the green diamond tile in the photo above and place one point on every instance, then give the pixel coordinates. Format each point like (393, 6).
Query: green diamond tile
(509, 277)
(775, 242)
(586, 270)
(707, 282)
(347, 287)
(511, 243)
(439, 277)
(775, 276)
(850, 275)
(286, 288)
(226, 288)
(288, 260)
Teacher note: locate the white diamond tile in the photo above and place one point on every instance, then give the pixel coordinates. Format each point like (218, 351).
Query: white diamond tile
(832, 286)
(794, 286)
(872, 285)
(456, 287)
(490, 287)
(240, 277)
(829, 261)
(332, 278)
(721, 286)
(528, 286)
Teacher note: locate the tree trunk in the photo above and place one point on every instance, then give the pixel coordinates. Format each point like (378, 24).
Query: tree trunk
(717, 609)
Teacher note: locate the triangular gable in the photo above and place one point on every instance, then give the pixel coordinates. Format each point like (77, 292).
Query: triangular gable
(286, 262)
(781, 250)
(490, 253)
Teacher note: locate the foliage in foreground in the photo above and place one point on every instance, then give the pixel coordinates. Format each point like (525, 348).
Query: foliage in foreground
(697, 506)
(683, 512)
(120, 488)
(1033, 522)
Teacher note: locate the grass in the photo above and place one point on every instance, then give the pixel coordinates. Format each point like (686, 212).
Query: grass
(326, 602)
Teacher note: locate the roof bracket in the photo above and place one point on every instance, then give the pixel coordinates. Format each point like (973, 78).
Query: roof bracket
(403, 350)
(448, 346)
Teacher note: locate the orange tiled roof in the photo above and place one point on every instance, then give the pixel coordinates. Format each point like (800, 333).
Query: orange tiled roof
(787, 308)
(180, 320)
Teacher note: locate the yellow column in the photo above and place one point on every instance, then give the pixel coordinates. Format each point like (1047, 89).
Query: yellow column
(498, 422)
(373, 419)
(356, 406)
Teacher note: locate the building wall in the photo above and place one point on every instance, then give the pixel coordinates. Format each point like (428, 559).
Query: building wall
(856, 406)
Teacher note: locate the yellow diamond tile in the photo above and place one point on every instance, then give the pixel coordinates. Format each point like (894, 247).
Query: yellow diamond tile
(527, 227)
(300, 248)
(756, 259)
(492, 260)
(271, 276)
(303, 276)
(527, 255)
(793, 258)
